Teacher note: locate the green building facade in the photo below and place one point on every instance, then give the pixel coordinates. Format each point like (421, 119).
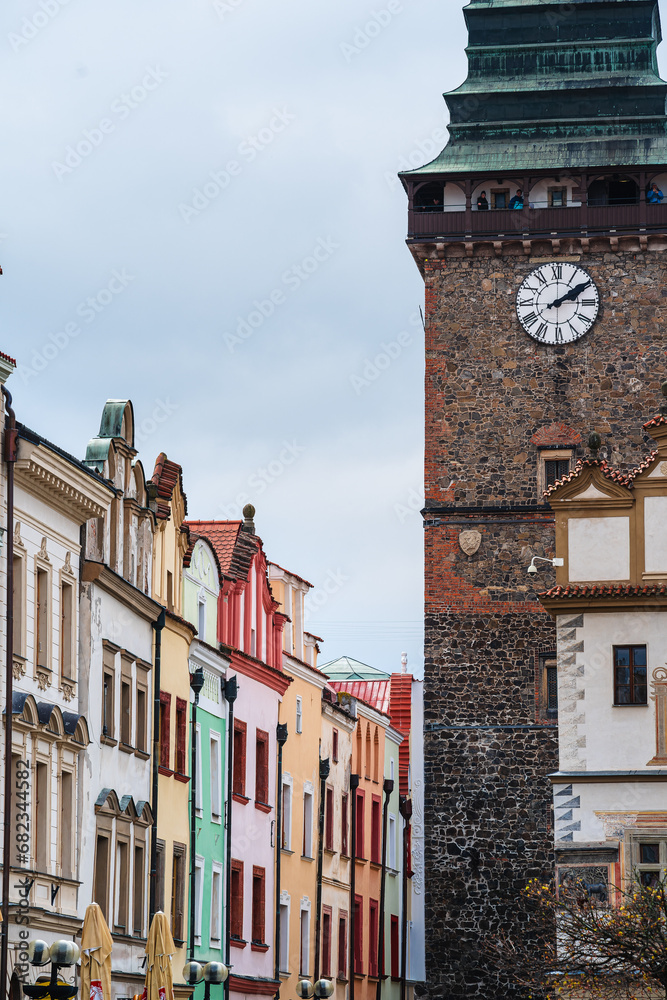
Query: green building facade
(201, 589)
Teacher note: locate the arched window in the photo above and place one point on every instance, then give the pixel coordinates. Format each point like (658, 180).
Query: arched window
(614, 190)
(376, 755)
(429, 197)
(359, 749)
(368, 750)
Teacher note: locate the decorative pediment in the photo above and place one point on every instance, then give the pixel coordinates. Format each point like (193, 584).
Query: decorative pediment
(592, 484)
(65, 485)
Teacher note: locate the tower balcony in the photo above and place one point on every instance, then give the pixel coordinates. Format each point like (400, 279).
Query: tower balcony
(454, 209)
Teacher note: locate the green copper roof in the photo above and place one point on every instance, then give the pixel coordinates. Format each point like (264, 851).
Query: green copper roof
(347, 669)
(553, 85)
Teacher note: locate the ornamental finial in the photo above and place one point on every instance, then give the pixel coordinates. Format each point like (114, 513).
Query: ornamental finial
(594, 442)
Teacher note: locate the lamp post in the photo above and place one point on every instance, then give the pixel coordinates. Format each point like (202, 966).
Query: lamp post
(213, 973)
(196, 683)
(60, 954)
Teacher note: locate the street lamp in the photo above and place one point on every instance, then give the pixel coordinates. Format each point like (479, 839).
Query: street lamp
(59, 954)
(322, 989)
(532, 569)
(213, 973)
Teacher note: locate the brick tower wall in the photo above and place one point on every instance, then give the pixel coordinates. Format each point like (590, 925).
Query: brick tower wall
(493, 394)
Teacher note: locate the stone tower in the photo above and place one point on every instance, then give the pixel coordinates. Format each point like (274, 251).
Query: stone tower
(545, 321)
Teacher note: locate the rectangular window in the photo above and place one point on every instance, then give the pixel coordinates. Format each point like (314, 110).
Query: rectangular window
(284, 937)
(216, 903)
(19, 606)
(307, 850)
(170, 591)
(630, 675)
(376, 830)
(66, 628)
(66, 826)
(342, 945)
(125, 712)
(107, 704)
(395, 949)
(304, 944)
(287, 817)
(165, 725)
(236, 919)
(141, 719)
(326, 941)
(557, 197)
(181, 736)
(160, 874)
(359, 846)
(122, 881)
(262, 767)
(216, 781)
(239, 757)
(329, 820)
(344, 847)
(42, 817)
(358, 935)
(199, 791)
(199, 897)
(101, 888)
(138, 884)
(652, 861)
(391, 837)
(258, 894)
(299, 715)
(499, 197)
(372, 937)
(42, 619)
(555, 469)
(334, 746)
(201, 619)
(178, 892)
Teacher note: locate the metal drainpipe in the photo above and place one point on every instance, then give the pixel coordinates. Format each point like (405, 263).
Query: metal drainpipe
(388, 788)
(281, 738)
(354, 784)
(231, 691)
(406, 812)
(196, 683)
(11, 442)
(158, 625)
(324, 774)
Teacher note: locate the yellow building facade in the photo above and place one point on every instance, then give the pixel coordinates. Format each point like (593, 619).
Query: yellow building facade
(173, 814)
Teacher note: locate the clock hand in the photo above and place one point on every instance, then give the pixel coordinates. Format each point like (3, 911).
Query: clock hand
(571, 295)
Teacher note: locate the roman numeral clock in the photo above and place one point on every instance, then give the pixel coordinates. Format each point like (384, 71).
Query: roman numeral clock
(557, 303)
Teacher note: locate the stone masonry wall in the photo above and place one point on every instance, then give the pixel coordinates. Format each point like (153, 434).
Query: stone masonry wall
(491, 394)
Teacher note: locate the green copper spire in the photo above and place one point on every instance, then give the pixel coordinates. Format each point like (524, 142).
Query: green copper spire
(553, 85)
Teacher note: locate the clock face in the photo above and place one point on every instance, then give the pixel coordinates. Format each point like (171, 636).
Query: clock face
(557, 303)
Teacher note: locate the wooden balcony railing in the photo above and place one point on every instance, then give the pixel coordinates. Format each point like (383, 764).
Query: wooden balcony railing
(503, 223)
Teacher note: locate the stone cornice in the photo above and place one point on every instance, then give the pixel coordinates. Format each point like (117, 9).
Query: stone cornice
(123, 591)
(51, 478)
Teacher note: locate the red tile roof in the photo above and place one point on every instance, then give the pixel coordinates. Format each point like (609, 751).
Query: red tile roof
(374, 693)
(6, 356)
(222, 535)
(657, 421)
(615, 475)
(400, 710)
(165, 476)
(616, 590)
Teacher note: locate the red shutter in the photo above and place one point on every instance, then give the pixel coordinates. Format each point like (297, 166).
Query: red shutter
(326, 941)
(181, 736)
(344, 824)
(358, 935)
(236, 922)
(373, 938)
(258, 894)
(395, 955)
(165, 724)
(359, 846)
(239, 757)
(329, 829)
(334, 747)
(262, 767)
(342, 946)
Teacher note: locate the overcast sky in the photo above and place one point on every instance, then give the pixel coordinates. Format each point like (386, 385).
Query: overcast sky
(201, 214)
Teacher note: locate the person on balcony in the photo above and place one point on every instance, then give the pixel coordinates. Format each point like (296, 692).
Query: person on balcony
(517, 200)
(655, 195)
(482, 203)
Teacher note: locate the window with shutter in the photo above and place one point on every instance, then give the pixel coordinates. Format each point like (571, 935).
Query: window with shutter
(178, 892)
(329, 820)
(239, 757)
(326, 941)
(376, 808)
(165, 723)
(358, 935)
(342, 944)
(236, 919)
(359, 846)
(262, 767)
(258, 895)
(334, 746)
(344, 847)
(181, 735)
(372, 937)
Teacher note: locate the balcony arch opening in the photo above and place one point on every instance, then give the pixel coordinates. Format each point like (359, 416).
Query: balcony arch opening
(614, 190)
(430, 197)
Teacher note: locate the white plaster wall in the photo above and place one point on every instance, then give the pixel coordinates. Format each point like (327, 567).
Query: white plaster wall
(454, 199)
(539, 193)
(655, 534)
(598, 549)
(417, 885)
(253, 831)
(621, 802)
(594, 734)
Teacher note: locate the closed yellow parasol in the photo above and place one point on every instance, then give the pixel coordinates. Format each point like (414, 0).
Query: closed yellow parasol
(96, 945)
(159, 949)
